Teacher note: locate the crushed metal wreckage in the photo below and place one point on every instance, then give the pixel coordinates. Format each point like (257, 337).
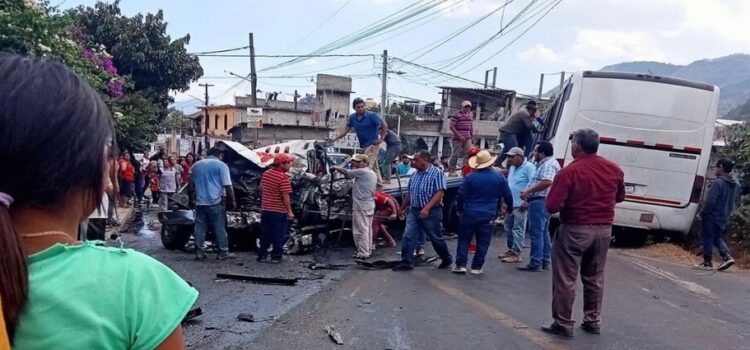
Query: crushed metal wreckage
(310, 191)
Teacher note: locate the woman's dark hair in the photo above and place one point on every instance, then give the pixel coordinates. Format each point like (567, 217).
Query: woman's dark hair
(53, 133)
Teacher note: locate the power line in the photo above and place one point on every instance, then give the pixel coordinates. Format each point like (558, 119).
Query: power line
(456, 33)
(516, 38)
(286, 56)
(321, 24)
(203, 53)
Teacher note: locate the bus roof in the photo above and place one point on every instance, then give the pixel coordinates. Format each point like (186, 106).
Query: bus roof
(649, 78)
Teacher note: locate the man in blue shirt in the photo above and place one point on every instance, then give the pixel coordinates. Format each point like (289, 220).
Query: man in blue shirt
(520, 175)
(546, 170)
(371, 131)
(479, 203)
(423, 204)
(404, 167)
(209, 180)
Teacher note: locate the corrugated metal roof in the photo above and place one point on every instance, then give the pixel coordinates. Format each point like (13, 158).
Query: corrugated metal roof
(489, 90)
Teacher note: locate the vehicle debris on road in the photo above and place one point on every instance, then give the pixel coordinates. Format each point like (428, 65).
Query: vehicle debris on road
(258, 279)
(334, 335)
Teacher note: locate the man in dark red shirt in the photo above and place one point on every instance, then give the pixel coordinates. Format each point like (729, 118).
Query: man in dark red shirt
(276, 208)
(584, 193)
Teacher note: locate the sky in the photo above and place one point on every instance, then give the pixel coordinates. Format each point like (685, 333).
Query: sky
(549, 37)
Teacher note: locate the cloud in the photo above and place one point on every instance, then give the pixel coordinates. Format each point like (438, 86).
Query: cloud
(618, 45)
(729, 19)
(539, 53)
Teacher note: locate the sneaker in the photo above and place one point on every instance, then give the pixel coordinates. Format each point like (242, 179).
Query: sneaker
(201, 257)
(419, 252)
(546, 267)
(528, 268)
(705, 266)
(403, 267)
(557, 329)
(727, 263)
(476, 272)
(445, 263)
(261, 258)
(226, 256)
(512, 258)
(361, 257)
(459, 270)
(591, 328)
(277, 260)
(503, 255)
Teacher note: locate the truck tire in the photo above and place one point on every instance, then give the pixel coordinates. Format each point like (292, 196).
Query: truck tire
(176, 236)
(242, 239)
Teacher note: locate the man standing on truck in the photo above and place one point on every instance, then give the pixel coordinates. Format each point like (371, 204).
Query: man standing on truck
(363, 203)
(208, 182)
(546, 170)
(516, 131)
(276, 208)
(462, 127)
(423, 203)
(392, 149)
(720, 203)
(584, 193)
(520, 175)
(371, 131)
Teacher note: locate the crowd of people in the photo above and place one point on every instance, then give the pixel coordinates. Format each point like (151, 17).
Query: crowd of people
(45, 269)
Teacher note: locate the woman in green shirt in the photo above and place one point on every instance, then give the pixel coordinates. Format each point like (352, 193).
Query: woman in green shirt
(57, 293)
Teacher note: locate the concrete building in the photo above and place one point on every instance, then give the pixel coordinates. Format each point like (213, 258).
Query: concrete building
(308, 117)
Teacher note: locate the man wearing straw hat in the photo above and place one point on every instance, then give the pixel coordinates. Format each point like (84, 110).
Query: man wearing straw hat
(478, 203)
(363, 203)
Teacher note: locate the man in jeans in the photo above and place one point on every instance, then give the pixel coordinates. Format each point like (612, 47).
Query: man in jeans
(720, 203)
(478, 202)
(392, 149)
(546, 169)
(519, 177)
(425, 212)
(363, 203)
(276, 208)
(209, 180)
(462, 127)
(585, 193)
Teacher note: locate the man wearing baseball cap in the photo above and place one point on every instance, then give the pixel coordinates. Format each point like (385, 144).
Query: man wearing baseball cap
(520, 175)
(363, 203)
(462, 127)
(276, 208)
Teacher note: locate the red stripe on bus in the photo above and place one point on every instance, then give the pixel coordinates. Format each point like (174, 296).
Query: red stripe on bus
(651, 199)
(664, 146)
(634, 142)
(642, 144)
(693, 150)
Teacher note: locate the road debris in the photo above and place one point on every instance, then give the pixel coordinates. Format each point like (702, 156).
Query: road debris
(193, 314)
(334, 335)
(258, 279)
(247, 317)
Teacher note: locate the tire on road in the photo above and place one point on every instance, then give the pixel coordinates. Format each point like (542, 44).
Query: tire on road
(175, 237)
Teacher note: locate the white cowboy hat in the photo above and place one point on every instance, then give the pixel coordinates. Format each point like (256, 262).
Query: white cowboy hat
(482, 160)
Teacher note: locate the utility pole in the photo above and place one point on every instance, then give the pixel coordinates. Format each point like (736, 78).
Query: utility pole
(487, 77)
(541, 84)
(384, 78)
(207, 117)
(253, 76)
(494, 77)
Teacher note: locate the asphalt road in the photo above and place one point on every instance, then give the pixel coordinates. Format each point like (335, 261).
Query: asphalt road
(648, 304)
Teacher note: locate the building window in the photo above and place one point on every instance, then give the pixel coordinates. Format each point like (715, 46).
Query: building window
(216, 122)
(225, 122)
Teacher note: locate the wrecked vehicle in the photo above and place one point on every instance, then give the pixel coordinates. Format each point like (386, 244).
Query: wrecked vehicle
(321, 201)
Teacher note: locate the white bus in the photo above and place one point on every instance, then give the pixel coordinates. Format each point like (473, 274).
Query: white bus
(658, 130)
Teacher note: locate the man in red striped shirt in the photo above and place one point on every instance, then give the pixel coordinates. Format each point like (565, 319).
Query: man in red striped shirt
(462, 127)
(276, 208)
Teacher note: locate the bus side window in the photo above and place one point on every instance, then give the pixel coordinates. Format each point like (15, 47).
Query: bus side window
(552, 117)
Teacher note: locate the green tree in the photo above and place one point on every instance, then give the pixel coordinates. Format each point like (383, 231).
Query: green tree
(141, 49)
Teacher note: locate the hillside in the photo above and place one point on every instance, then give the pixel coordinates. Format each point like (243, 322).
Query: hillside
(731, 73)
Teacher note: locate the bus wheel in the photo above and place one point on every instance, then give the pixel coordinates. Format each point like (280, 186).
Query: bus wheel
(630, 237)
